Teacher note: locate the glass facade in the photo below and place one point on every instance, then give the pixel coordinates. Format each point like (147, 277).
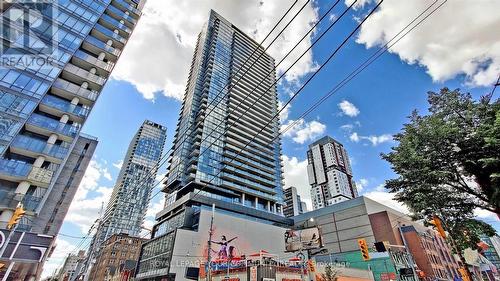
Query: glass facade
(210, 147)
(130, 198)
(55, 57)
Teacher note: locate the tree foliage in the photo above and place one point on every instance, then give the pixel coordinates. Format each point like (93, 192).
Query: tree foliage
(448, 160)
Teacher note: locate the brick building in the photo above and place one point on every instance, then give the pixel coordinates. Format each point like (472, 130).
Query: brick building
(431, 253)
(118, 257)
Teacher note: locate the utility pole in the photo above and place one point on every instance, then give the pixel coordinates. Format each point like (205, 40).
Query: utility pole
(210, 233)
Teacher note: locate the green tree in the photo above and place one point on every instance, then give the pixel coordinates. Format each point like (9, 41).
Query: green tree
(448, 160)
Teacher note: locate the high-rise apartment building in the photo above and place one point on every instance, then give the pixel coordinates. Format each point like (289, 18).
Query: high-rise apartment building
(55, 59)
(329, 172)
(294, 205)
(132, 191)
(212, 165)
(210, 147)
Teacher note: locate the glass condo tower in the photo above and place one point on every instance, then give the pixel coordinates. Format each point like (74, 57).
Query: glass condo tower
(56, 56)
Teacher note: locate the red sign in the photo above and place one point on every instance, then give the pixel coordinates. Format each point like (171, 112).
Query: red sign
(253, 273)
(386, 276)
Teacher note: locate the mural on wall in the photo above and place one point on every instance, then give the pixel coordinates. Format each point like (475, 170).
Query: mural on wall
(226, 251)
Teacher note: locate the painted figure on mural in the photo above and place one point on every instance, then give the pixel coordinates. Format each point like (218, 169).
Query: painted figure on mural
(225, 251)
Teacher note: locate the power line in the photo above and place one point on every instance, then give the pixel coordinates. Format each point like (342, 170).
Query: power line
(369, 61)
(167, 154)
(282, 75)
(270, 72)
(301, 88)
(364, 66)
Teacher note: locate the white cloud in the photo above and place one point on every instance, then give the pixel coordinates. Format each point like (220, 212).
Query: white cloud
(376, 140)
(286, 111)
(444, 45)
(118, 164)
(373, 139)
(387, 199)
(361, 184)
(296, 175)
(485, 214)
(89, 197)
(354, 137)
(347, 127)
(56, 260)
(303, 131)
(84, 212)
(348, 108)
(158, 56)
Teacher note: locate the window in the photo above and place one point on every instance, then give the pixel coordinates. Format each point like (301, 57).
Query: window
(16, 105)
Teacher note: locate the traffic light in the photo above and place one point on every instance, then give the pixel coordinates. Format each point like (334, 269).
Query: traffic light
(311, 266)
(436, 221)
(382, 246)
(363, 247)
(18, 214)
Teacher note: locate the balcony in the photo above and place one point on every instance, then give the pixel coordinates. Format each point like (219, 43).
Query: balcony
(31, 147)
(119, 14)
(46, 126)
(96, 46)
(7, 199)
(111, 23)
(58, 107)
(69, 90)
(79, 75)
(30, 202)
(128, 7)
(102, 33)
(87, 61)
(16, 171)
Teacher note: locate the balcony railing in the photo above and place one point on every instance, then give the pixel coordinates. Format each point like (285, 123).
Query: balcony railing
(110, 33)
(31, 202)
(108, 66)
(17, 169)
(65, 106)
(84, 74)
(40, 146)
(53, 125)
(101, 45)
(75, 89)
(128, 7)
(121, 14)
(7, 198)
(14, 168)
(40, 176)
(116, 24)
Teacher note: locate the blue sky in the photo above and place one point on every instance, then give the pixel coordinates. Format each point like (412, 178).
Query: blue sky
(376, 103)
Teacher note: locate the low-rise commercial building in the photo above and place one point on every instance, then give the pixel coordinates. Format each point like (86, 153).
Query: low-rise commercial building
(432, 255)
